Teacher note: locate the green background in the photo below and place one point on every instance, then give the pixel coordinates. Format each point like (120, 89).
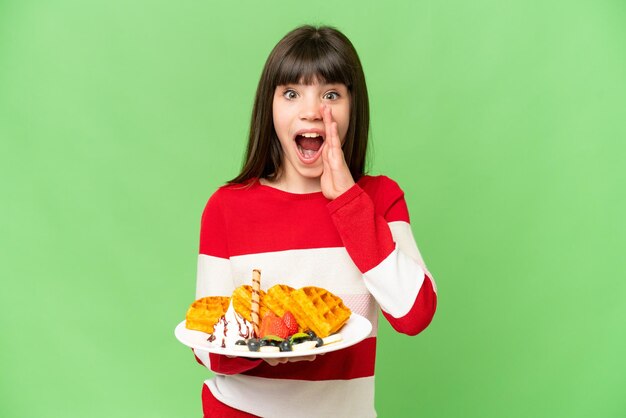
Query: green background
(503, 121)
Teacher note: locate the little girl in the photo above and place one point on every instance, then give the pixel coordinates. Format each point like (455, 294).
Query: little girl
(304, 213)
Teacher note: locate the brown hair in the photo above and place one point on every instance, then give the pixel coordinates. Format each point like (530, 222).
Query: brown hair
(306, 54)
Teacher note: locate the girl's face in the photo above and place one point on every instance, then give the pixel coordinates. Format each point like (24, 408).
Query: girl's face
(297, 110)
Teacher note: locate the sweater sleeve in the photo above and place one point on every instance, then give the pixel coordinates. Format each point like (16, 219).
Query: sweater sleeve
(379, 240)
(214, 278)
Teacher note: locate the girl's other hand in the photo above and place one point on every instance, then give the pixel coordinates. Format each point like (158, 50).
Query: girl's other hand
(336, 177)
(281, 360)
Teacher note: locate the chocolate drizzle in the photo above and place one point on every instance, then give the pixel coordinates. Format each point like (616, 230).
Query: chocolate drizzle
(244, 331)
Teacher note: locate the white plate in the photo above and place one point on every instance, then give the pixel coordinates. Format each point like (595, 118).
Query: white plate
(355, 330)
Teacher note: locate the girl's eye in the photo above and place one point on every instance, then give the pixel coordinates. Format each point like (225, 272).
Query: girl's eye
(290, 94)
(331, 95)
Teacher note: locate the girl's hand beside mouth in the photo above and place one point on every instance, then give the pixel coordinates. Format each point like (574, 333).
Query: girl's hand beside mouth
(336, 177)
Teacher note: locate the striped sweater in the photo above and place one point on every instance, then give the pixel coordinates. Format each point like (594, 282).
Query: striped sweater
(358, 246)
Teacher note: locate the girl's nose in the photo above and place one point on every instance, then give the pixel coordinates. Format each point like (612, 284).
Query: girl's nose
(311, 111)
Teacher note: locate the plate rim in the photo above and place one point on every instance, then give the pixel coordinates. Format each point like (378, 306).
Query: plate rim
(360, 321)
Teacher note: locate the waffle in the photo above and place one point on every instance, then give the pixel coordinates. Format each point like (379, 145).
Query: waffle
(279, 301)
(242, 301)
(322, 311)
(204, 313)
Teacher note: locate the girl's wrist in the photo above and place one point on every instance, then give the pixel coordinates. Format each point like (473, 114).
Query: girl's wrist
(344, 198)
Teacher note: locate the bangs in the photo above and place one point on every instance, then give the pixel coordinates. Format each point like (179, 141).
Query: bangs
(313, 60)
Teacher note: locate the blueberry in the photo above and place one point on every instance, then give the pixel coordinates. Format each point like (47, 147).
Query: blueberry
(254, 344)
(312, 334)
(264, 343)
(285, 346)
(240, 342)
(318, 341)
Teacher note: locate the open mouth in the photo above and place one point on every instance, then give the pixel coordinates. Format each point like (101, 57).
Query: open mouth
(309, 145)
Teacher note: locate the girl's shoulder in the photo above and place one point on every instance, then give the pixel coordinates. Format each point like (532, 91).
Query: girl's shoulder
(228, 192)
(383, 191)
(379, 186)
(387, 197)
(237, 187)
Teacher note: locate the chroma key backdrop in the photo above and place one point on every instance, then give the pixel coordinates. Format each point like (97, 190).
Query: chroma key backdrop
(503, 122)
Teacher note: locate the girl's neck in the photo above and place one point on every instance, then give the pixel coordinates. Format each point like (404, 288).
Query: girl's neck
(298, 185)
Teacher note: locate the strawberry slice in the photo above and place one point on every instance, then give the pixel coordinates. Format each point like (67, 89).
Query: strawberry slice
(265, 324)
(290, 322)
(277, 327)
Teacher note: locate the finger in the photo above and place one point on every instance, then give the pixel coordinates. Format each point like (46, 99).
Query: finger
(303, 358)
(338, 158)
(335, 133)
(271, 361)
(325, 146)
(327, 117)
(326, 160)
(277, 360)
(331, 132)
